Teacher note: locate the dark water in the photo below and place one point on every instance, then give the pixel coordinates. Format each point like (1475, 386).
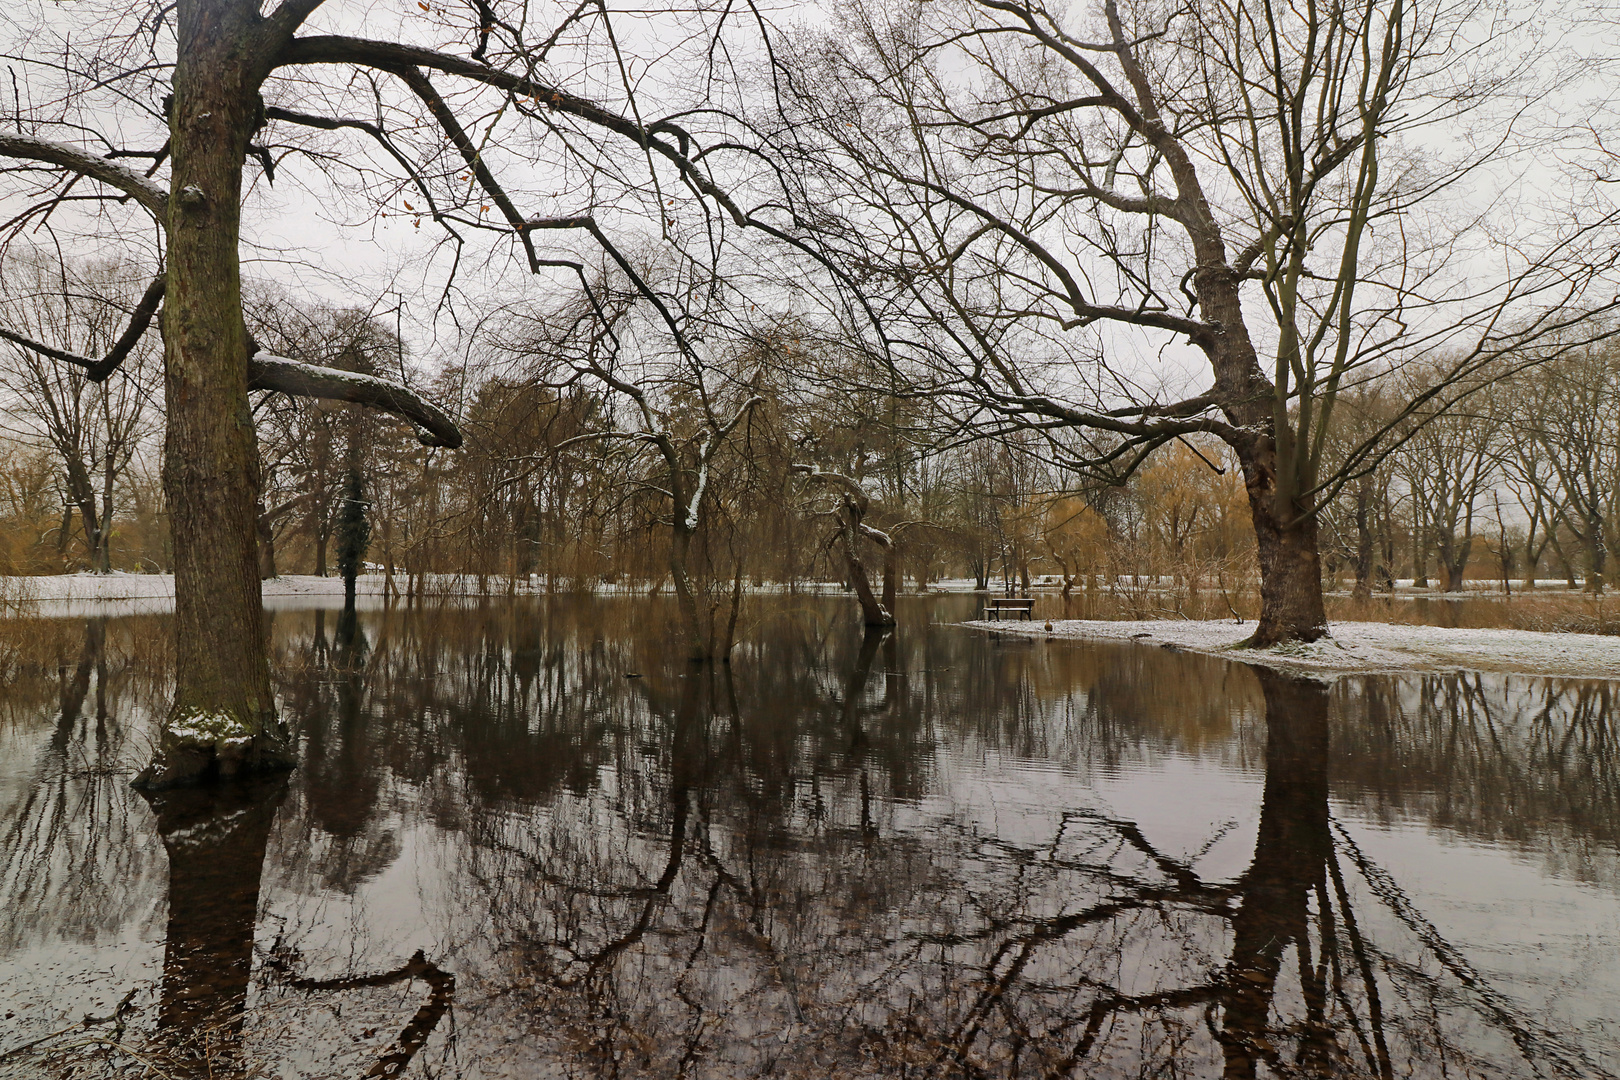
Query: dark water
(935, 853)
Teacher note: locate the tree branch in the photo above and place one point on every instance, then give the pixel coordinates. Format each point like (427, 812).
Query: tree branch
(277, 373)
(848, 484)
(390, 56)
(99, 370)
(25, 147)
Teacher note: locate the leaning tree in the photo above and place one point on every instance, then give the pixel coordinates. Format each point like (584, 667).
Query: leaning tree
(218, 94)
(1282, 200)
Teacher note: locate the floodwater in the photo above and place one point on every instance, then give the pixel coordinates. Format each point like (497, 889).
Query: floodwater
(525, 842)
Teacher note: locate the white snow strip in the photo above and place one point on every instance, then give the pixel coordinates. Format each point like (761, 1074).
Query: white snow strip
(1359, 646)
(116, 594)
(76, 595)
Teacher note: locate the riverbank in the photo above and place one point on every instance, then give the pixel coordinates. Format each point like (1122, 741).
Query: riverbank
(1356, 646)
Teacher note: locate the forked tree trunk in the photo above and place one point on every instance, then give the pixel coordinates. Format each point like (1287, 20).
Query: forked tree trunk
(981, 573)
(1453, 563)
(1273, 475)
(223, 717)
(854, 504)
(874, 611)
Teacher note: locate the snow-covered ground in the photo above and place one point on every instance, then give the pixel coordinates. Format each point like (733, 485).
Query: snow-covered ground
(1360, 646)
(76, 595)
(69, 595)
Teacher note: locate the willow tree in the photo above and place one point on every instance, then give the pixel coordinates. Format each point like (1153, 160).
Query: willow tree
(216, 89)
(1028, 195)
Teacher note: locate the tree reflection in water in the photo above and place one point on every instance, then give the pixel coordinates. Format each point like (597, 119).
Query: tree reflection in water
(765, 924)
(1291, 857)
(215, 838)
(836, 858)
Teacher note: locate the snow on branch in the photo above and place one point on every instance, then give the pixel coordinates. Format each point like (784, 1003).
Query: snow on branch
(14, 144)
(267, 372)
(849, 486)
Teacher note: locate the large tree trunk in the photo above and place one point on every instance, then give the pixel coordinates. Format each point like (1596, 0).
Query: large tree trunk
(1290, 569)
(1453, 562)
(95, 524)
(223, 717)
(1273, 462)
(873, 611)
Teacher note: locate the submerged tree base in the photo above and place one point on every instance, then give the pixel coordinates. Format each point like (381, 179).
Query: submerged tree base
(198, 746)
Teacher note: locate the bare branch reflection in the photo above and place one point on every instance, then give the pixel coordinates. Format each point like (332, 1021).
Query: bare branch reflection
(907, 853)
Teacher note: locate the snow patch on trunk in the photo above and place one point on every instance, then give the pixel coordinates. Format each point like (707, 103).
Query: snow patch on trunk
(209, 727)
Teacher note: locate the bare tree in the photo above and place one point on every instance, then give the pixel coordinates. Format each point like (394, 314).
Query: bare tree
(194, 104)
(1360, 519)
(95, 429)
(1456, 452)
(1576, 431)
(1018, 191)
(27, 506)
(851, 505)
(1528, 474)
(679, 409)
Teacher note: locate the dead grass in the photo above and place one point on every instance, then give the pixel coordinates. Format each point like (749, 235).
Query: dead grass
(1543, 610)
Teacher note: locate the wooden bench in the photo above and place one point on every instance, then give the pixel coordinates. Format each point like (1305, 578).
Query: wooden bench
(999, 604)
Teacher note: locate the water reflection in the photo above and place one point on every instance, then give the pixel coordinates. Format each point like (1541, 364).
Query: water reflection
(215, 839)
(525, 841)
(1292, 855)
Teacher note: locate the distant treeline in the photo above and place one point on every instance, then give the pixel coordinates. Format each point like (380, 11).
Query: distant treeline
(560, 485)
